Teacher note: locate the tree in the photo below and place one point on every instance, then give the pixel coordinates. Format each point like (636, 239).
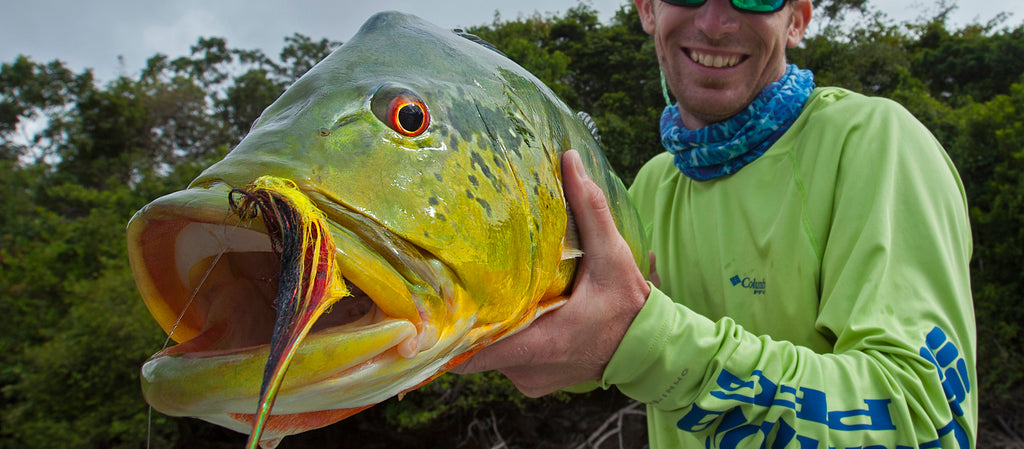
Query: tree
(31, 93)
(78, 158)
(975, 62)
(990, 156)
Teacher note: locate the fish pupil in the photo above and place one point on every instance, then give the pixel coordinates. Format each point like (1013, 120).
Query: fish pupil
(410, 117)
(400, 109)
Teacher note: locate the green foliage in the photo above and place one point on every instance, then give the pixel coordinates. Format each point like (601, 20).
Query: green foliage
(451, 394)
(77, 389)
(300, 54)
(244, 101)
(837, 9)
(990, 156)
(31, 92)
(973, 63)
(75, 331)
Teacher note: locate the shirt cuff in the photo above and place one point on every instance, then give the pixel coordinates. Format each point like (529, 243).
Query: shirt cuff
(659, 359)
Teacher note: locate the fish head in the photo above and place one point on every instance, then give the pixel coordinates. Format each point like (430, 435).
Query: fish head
(433, 161)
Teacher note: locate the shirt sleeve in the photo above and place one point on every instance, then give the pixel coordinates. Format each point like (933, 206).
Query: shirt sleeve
(894, 297)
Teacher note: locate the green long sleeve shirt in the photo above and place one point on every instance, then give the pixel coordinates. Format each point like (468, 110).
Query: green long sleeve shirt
(818, 298)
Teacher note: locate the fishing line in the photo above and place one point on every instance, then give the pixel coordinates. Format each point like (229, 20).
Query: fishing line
(195, 293)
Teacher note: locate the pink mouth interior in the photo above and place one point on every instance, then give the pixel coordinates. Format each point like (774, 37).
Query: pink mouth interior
(236, 304)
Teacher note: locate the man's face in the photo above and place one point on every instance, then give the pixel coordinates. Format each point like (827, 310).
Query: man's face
(717, 59)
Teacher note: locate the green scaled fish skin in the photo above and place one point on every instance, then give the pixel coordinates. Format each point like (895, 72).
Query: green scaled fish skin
(450, 236)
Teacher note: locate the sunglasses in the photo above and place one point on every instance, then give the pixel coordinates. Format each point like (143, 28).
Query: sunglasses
(755, 6)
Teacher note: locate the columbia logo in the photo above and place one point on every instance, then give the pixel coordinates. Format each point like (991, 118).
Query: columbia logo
(757, 287)
(952, 368)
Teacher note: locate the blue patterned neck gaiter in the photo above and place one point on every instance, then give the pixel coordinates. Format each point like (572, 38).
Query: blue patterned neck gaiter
(723, 148)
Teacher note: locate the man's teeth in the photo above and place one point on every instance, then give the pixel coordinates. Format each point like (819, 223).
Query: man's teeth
(716, 61)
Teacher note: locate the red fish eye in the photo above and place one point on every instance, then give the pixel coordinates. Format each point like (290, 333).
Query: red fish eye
(408, 116)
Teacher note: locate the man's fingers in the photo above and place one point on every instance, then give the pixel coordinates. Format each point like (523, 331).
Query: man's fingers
(588, 203)
(512, 351)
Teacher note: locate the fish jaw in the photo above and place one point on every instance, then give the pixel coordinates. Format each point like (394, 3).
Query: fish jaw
(199, 266)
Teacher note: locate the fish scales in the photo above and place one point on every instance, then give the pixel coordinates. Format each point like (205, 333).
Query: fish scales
(434, 162)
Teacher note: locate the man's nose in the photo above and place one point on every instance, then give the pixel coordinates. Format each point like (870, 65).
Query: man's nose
(717, 18)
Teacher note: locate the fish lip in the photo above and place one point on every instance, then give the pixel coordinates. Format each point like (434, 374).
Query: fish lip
(170, 377)
(418, 267)
(423, 284)
(407, 285)
(191, 384)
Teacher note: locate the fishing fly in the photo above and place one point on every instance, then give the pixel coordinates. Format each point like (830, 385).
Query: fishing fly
(309, 282)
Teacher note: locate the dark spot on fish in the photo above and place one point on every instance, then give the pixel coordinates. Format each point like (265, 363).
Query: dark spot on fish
(480, 164)
(464, 126)
(472, 180)
(469, 194)
(485, 205)
(438, 177)
(433, 201)
(441, 217)
(536, 190)
(493, 122)
(518, 135)
(500, 163)
(447, 135)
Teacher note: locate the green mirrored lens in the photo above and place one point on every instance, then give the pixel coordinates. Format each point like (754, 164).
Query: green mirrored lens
(758, 5)
(742, 5)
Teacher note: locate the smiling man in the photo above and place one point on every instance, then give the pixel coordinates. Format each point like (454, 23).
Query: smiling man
(812, 246)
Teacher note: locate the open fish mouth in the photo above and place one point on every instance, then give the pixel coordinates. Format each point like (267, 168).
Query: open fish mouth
(211, 277)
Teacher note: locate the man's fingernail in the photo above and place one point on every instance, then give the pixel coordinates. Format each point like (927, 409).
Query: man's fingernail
(578, 162)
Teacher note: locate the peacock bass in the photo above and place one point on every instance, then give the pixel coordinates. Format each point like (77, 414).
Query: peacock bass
(398, 208)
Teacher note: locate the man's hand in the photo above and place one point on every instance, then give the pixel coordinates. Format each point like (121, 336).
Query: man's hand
(574, 343)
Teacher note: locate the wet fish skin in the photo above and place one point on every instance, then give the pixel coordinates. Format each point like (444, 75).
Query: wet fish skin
(457, 234)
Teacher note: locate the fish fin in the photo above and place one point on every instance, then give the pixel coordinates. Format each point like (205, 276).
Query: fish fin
(290, 424)
(550, 304)
(571, 247)
(589, 121)
(478, 40)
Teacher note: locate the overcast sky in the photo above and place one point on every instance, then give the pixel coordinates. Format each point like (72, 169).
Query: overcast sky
(93, 33)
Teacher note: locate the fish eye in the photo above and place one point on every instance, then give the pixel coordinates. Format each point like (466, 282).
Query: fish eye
(402, 110)
(408, 116)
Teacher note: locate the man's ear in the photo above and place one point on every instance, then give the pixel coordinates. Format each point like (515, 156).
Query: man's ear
(802, 12)
(646, 10)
